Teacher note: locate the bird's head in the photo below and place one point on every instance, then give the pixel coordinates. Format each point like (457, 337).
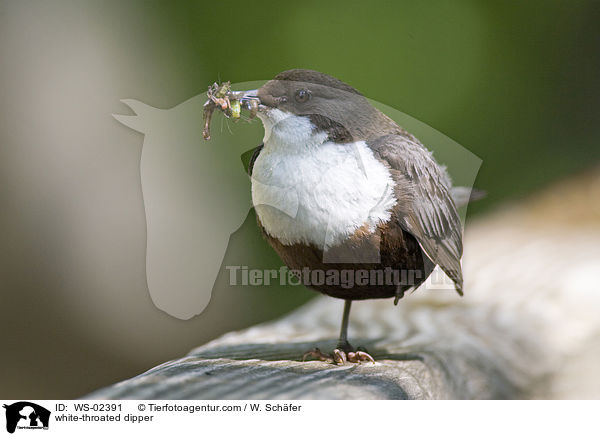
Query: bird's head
(298, 104)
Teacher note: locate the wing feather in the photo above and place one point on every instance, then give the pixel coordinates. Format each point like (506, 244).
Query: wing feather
(427, 211)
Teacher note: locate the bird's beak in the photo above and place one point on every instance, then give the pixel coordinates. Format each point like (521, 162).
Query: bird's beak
(248, 99)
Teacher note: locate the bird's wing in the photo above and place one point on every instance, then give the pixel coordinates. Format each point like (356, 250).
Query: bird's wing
(250, 157)
(424, 205)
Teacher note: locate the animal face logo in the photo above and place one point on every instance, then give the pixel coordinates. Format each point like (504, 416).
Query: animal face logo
(197, 193)
(27, 415)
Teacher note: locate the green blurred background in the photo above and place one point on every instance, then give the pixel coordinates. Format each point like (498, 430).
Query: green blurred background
(515, 83)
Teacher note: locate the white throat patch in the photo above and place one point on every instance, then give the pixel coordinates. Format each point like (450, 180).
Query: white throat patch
(309, 191)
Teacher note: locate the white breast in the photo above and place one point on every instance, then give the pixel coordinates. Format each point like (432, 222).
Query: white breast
(314, 192)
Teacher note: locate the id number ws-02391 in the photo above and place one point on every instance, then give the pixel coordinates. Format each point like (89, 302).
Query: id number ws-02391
(98, 407)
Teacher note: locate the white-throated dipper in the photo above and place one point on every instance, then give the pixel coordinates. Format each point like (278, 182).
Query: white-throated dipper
(352, 202)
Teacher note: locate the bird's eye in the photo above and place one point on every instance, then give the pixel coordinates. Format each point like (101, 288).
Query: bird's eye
(302, 95)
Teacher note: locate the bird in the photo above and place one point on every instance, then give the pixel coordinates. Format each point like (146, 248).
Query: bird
(340, 190)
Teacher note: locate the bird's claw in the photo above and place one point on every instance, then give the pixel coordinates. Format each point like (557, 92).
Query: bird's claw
(360, 356)
(339, 356)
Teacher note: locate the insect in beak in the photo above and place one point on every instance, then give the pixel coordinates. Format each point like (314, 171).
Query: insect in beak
(229, 102)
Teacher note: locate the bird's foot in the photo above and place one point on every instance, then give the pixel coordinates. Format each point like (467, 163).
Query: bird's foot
(341, 355)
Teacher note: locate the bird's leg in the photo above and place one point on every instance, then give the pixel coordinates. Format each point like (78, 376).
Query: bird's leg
(344, 352)
(343, 343)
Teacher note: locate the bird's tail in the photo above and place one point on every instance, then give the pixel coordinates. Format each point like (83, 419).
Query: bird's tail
(463, 195)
